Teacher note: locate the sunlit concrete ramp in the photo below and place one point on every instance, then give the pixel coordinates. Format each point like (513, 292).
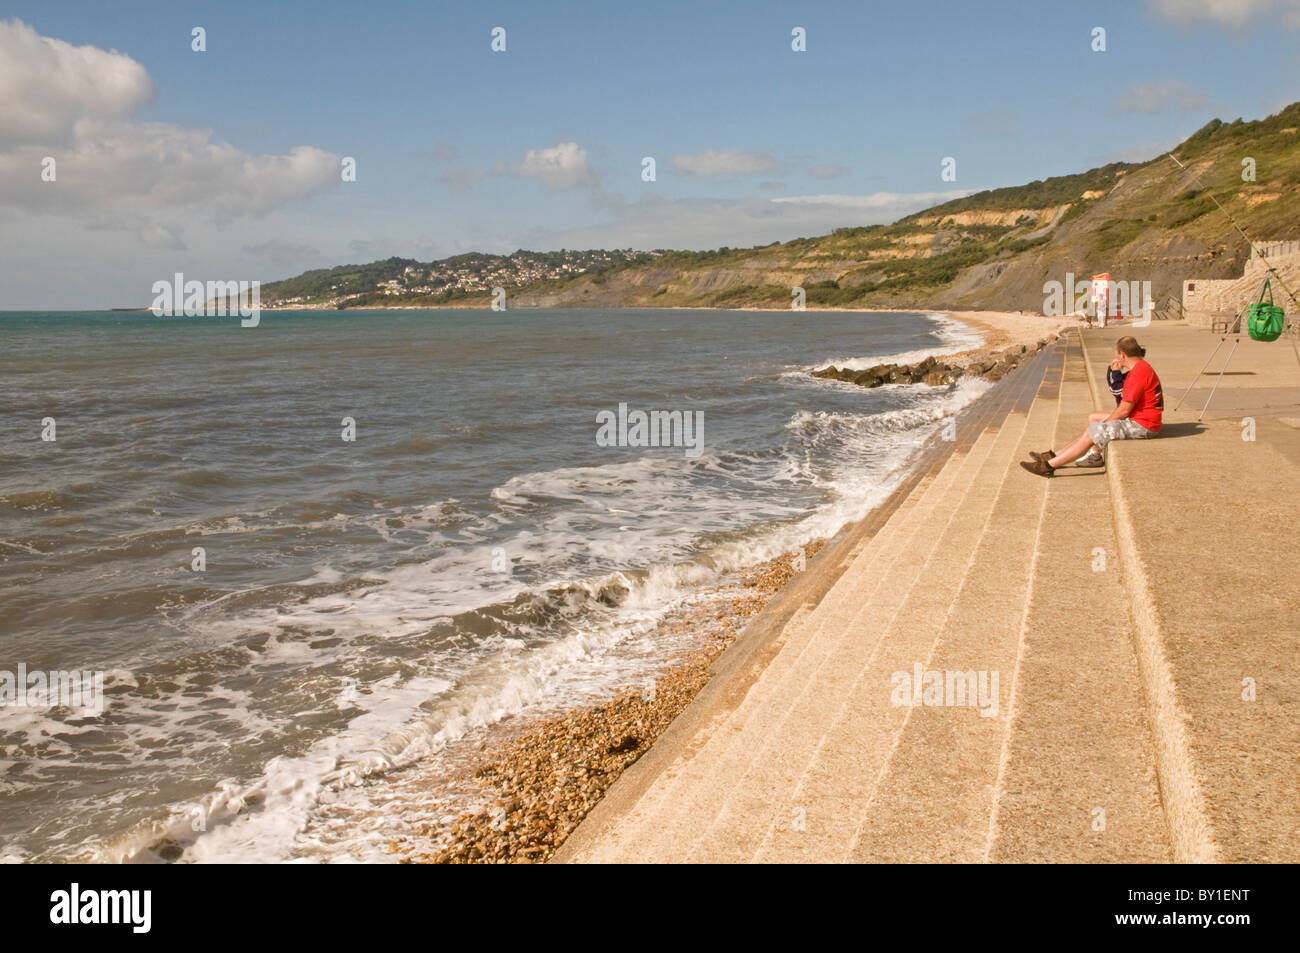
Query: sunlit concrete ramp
(982, 672)
(1207, 519)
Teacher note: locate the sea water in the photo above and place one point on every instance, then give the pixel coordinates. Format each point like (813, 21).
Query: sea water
(313, 554)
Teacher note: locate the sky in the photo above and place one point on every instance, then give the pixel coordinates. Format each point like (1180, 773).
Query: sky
(228, 163)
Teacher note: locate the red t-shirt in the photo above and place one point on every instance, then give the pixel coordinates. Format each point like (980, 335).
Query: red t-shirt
(1142, 389)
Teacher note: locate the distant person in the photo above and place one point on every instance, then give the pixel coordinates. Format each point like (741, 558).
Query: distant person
(1137, 416)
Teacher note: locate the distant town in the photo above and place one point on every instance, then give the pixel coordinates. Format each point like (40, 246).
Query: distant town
(406, 281)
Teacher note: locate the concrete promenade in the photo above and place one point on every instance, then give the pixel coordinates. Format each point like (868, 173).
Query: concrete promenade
(1100, 667)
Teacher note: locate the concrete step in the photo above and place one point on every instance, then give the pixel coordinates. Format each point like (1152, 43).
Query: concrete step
(770, 787)
(676, 810)
(911, 491)
(934, 797)
(845, 596)
(648, 819)
(1078, 779)
(837, 787)
(920, 490)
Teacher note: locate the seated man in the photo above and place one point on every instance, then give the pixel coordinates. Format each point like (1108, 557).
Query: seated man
(1138, 415)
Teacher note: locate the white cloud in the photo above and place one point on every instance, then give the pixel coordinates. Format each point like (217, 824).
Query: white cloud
(1149, 99)
(711, 163)
(1235, 13)
(560, 167)
(47, 86)
(563, 166)
(149, 234)
(161, 167)
(75, 105)
(153, 235)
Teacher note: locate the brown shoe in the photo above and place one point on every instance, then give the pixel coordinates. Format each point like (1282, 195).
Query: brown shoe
(1039, 467)
(1046, 456)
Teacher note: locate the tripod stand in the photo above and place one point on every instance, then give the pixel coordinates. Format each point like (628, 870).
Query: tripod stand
(1233, 331)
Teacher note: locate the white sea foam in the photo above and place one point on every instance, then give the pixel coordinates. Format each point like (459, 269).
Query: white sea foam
(266, 820)
(401, 598)
(951, 337)
(407, 720)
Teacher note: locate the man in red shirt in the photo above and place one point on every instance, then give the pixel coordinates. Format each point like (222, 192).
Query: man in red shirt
(1137, 417)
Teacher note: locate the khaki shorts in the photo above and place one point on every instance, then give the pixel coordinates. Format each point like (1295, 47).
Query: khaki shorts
(1103, 432)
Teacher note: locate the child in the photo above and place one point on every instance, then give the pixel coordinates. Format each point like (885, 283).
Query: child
(1115, 375)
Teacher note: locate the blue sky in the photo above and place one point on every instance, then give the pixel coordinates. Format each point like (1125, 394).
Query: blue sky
(184, 161)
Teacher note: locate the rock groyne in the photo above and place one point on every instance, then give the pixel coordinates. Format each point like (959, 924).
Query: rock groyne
(938, 372)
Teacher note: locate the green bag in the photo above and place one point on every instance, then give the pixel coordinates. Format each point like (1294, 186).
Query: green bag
(1264, 321)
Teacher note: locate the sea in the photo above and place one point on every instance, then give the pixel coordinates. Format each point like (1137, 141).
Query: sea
(309, 559)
